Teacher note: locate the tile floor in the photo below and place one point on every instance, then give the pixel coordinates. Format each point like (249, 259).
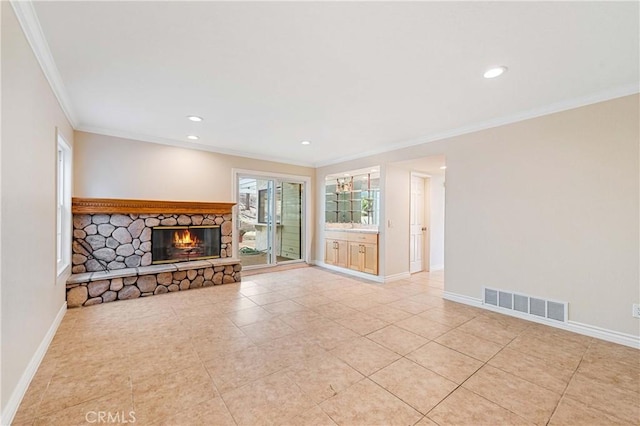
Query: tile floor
(311, 347)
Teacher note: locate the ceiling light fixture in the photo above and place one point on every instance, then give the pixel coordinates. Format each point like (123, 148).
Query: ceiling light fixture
(443, 167)
(495, 72)
(193, 137)
(305, 143)
(194, 118)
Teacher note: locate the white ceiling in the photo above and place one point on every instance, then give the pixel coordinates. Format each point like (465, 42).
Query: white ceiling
(353, 78)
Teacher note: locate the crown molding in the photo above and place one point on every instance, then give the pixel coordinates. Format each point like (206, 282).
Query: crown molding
(607, 95)
(28, 20)
(190, 145)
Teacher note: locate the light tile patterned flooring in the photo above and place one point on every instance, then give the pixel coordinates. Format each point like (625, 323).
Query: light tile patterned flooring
(311, 347)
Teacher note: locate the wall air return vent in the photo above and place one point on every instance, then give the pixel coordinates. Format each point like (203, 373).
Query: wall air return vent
(527, 305)
(505, 300)
(490, 297)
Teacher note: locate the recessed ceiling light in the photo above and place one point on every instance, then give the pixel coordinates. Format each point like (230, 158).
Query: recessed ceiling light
(373, 170)
(495, 72)
(193, 137)
(305, 143)
(194, 118)
(443, 167)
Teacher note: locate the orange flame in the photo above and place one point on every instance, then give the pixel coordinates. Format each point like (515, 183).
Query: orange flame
(185, 240)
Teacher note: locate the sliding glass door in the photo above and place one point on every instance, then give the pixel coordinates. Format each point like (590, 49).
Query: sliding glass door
(270, 221)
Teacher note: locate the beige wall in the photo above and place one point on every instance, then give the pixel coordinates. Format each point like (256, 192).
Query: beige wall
(30, 115)
(548, 207)
(396, 226)
(110, 167)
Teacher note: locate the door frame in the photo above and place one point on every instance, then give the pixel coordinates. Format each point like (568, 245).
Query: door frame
(305, 226)
(426, 214)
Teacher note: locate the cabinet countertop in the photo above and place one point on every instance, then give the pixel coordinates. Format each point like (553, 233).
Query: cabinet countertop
(358, 230)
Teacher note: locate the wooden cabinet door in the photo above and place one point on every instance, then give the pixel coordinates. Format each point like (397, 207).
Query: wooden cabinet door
(329, 252)
(354, 256)
(342, 253)
(369, 258)
(335, 252)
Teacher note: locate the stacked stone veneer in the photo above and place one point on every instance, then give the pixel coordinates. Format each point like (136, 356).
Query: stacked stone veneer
(130, 283)
(103, 242)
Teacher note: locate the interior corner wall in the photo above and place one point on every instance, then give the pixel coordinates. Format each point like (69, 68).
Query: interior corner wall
(396, 228)
(31, 299)
(547, 206)
(436, 233)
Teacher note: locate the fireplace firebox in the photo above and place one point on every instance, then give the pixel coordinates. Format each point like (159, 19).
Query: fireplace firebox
(184, 243)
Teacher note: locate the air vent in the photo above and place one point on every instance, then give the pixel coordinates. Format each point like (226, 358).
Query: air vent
(521, 303)
(537, 307)
(505, 300)
(490, 297)
(556, 311)
(527, 305)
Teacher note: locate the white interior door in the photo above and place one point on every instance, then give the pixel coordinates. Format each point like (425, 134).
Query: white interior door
(418, 227)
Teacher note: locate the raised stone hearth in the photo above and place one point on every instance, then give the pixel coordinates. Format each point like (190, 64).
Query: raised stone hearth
(100, 287)
(113, 249)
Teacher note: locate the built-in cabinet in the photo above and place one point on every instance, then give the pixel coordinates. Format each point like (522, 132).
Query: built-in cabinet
(336, 252)
(353, 250)
(352, 206)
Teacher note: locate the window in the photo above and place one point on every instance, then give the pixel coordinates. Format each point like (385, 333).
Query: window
(63, 205)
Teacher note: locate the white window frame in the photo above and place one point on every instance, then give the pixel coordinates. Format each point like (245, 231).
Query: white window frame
(64, 166)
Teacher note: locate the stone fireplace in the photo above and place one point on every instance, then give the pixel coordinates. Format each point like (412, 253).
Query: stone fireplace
(124, 249)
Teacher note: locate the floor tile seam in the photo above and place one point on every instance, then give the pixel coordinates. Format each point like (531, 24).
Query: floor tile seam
(527, 380)
(529, 353)
(487, 399)
(431, 371)
(282, 369)
(401, 399)
(591, 375)
(393, 350)
(223, 401)
(465, 354)
(608, 413)
(366, 376)
(566, 387)
(486, 364)
(39, 415)
(248, 383)
(392, 394)
(35, 406)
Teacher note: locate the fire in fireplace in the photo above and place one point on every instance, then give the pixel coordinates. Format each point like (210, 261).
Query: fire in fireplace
(184, 243)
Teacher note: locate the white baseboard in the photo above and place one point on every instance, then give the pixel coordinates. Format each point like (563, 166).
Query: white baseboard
(576, 327)
(351, 272)
(397, 277)
(9, 410)
(436, 268)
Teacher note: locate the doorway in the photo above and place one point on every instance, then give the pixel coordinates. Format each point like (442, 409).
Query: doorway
(419, 238)
(426, 209)
(269, 220)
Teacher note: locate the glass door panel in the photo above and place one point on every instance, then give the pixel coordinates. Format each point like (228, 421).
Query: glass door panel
(254, 238)
(289, 208)
(270, 221)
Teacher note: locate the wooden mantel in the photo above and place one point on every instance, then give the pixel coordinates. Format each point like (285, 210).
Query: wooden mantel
(116, 205)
